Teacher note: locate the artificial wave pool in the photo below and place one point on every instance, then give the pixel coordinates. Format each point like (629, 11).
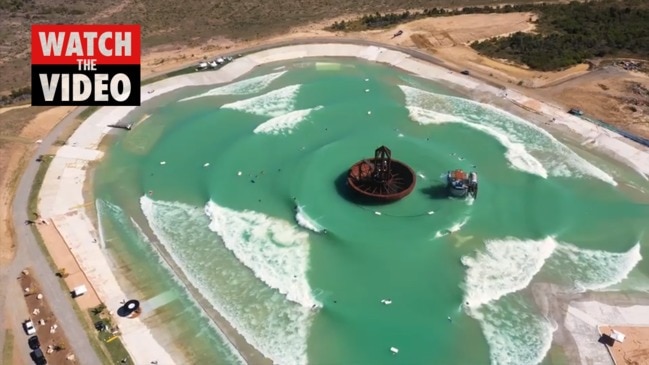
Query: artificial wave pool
(239, 184)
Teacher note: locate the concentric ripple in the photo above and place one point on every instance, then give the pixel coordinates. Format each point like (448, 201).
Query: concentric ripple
(244, 187)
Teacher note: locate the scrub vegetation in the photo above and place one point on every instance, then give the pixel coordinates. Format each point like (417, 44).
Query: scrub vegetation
(566, 34)
(171, 22)
(573, 33)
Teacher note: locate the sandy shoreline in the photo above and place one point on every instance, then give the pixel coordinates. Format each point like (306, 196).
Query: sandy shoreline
(61, 193)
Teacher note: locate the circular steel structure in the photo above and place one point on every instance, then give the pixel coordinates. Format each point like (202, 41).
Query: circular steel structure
(381, 179)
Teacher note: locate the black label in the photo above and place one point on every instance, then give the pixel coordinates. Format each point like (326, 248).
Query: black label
(66, 85)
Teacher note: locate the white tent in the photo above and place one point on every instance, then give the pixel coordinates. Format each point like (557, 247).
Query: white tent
(618, 336)
(79, 291)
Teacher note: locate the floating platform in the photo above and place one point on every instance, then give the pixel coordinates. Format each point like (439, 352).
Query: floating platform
(381, 179)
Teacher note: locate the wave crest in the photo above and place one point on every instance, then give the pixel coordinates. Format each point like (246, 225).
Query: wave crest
(275, 250)
(286, 122)
(304, 220)
(557, 158)
(274, 326)
(505, 266)
(243, 87)
(518, 157)
(272, 104)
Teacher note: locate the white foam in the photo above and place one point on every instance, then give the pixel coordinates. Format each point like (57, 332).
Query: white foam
(243, 87)
(518, 157)
(276, 327)
(594, 269)
(307, 222)
(275, 250)
(286, 122)
(516, 336)
(505, 266)
(425, 116)
(558, 159)
(118, 216)
(456, 227)
(273, 104)
(99, 204)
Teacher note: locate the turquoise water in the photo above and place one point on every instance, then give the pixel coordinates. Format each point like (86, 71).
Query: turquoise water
(242, 187)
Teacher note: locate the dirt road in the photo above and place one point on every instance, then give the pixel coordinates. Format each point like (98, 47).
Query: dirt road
(29, 254)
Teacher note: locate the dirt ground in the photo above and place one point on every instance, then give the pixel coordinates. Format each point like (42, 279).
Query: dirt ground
(20, 129)
(610, 94)
(635, 348)
(44, 322)
(67, 265)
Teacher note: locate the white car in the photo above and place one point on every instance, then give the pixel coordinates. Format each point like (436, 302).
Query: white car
(28, 325)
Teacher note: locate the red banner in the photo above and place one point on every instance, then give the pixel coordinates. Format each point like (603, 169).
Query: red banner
(106, 44)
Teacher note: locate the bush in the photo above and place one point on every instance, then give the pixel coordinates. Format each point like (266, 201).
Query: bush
(572, 33)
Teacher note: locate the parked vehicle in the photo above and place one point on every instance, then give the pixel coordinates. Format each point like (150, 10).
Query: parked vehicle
(28, 326)
(575, 111)
(38, 357)
(34, 343)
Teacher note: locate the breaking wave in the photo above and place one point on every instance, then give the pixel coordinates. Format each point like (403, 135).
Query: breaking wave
(285, 123)
(116, 215)
(243, 87)
(456, 227)
(516, 154)
(275, 250)
(273, 104)
(505, 266)
(276, 327)
(594, 269)
(516, 134)
(515, 334)
(307, 222)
